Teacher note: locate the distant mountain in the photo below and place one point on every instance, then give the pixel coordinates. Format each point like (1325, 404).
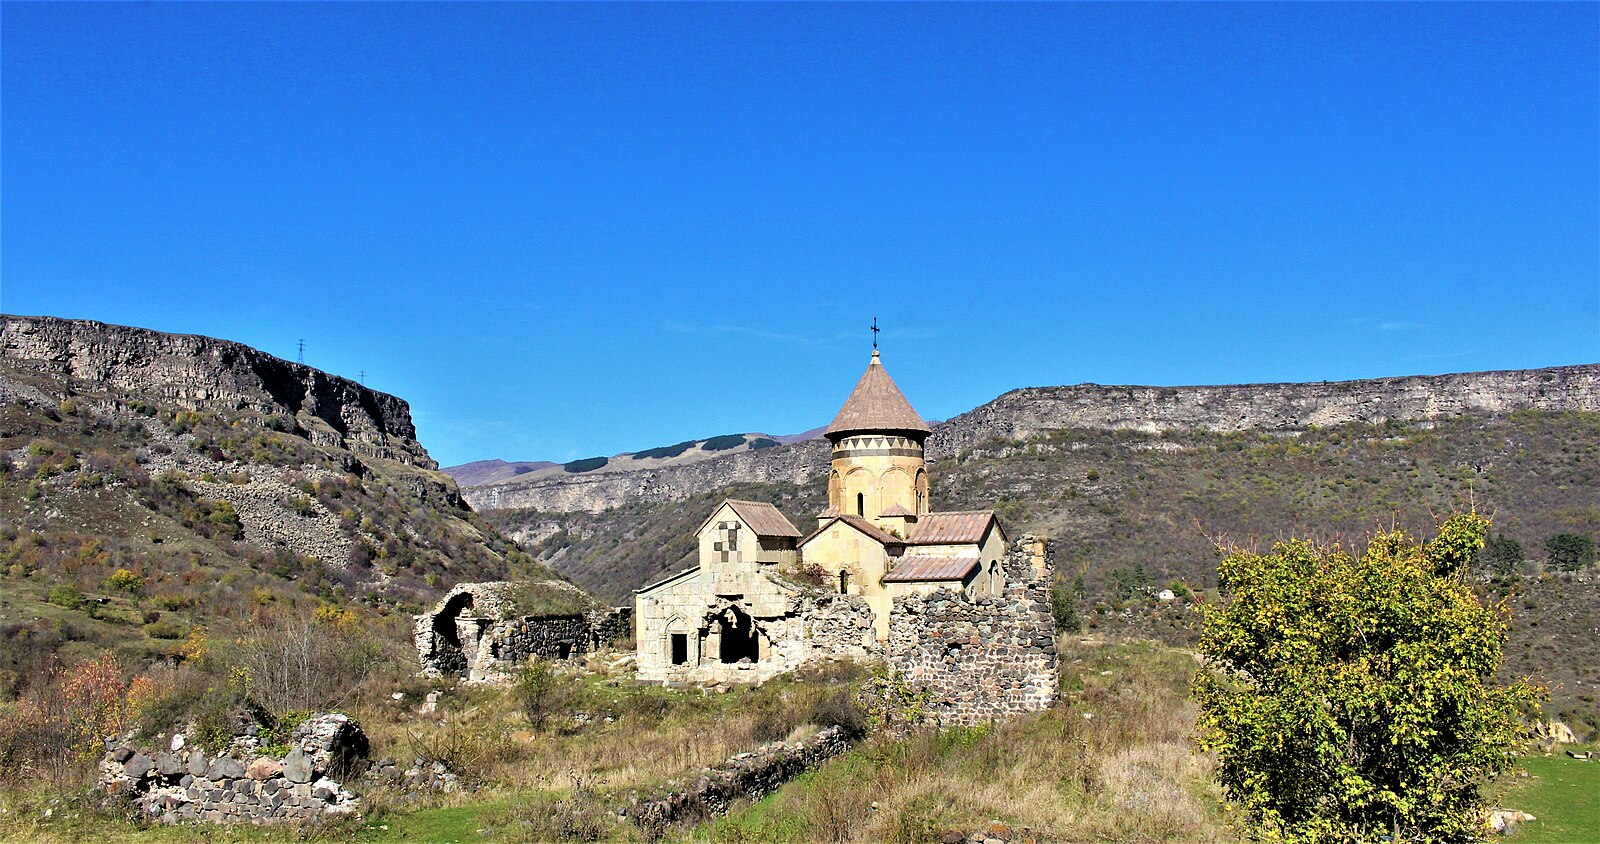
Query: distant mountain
(791, 439)
(480, 472)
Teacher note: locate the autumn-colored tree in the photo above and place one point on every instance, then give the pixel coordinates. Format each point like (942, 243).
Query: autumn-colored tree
(59, 725)
(1353, 698)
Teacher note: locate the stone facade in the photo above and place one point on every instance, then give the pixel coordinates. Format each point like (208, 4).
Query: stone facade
(475, 631)
(185, 784)
(982, 657)
(690, 634)
(743, 615)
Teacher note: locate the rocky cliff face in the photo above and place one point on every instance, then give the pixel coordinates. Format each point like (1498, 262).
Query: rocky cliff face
(1035, 410)
(198, 373)
(1283, 407)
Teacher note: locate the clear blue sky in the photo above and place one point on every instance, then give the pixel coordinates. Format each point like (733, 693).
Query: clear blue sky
(570, 230)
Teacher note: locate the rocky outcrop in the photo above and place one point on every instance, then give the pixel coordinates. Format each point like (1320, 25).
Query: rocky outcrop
(185, 783)
(201, 373)
(1020, 414)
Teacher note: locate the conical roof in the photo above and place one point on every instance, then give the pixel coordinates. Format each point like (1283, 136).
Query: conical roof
(876, 404)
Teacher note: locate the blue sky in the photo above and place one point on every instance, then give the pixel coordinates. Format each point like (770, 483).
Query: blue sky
(569, 230)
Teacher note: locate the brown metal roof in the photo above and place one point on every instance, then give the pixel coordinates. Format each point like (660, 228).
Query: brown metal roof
(876, 404)
(913, 568)
(761, 517)
(953, 528)
(882, 536)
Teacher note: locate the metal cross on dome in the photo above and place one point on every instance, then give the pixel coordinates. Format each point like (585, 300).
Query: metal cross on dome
(875, 330)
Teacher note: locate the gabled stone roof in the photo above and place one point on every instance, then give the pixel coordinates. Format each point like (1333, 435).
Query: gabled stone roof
(917, 568)
(876, 404)
(957, 527)
(877, 534)
(762, 518)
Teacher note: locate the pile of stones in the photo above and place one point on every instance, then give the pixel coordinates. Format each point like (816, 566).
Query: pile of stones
(183, 783)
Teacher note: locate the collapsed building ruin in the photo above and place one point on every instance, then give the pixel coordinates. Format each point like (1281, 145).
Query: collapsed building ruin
(481, 631)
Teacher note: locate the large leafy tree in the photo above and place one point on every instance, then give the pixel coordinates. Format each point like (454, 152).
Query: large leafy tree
(1353, 698)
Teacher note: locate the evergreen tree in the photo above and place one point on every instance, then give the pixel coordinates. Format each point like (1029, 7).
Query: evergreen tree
(1570, 551)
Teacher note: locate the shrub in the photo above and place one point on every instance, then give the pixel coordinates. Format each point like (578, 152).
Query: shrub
(763, 442)
(65, 596)
(540, 691)
(723, 443)
(1354, 698)
(123, 580)
(1064, 599)
(165, 630)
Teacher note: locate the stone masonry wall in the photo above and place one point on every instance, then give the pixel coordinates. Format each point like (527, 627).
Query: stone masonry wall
(982, 658)
(185, 783)
(472, 632)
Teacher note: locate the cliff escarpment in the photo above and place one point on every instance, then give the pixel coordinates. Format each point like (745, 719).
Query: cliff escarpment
(1032, 411)
(1027, 412)
(202, 373)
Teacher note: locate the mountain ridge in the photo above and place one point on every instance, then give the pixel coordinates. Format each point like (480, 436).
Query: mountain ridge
(1028, 411)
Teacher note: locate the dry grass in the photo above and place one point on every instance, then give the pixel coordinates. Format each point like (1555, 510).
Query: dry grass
(1112, 763)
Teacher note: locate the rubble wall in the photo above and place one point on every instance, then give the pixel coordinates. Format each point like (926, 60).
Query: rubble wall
(983, 658)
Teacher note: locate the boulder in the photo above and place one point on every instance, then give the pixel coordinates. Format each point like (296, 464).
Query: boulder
(197, 762)
(263, 768)
(168, 765)
(137, 766)
(225, 768)
(297, 766)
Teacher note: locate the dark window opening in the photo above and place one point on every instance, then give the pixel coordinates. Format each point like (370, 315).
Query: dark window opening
(861, 504)
(844, 583)
(740, 641)
(563, 650)
(680, 648)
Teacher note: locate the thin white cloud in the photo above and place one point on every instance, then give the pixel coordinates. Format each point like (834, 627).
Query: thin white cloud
(1400, 325)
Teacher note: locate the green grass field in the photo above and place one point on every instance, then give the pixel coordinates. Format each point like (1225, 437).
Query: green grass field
(1564, 794)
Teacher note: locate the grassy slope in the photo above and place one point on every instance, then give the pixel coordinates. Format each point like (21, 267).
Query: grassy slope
(77, 504)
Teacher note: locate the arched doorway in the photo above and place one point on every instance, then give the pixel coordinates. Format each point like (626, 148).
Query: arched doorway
(740, 639)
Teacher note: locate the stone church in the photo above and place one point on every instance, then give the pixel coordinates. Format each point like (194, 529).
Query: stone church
(765, 599)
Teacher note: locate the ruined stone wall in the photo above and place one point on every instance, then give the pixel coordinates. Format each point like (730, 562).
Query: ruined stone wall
(184, 783)
(982, 658)
(473, 633)
(748, 775)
